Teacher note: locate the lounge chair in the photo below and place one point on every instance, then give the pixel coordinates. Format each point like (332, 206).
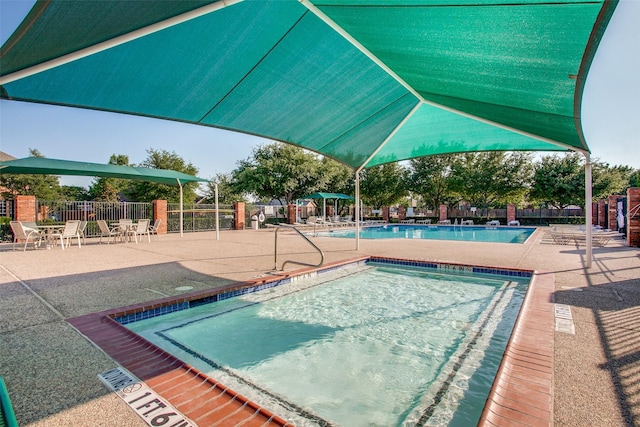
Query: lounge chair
(69, 231)
(107, 232)
(21, 233)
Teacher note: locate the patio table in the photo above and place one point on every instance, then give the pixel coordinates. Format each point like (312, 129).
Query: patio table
(49, 230)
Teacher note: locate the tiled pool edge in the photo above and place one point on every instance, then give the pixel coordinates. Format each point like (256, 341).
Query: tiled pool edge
(522, 391)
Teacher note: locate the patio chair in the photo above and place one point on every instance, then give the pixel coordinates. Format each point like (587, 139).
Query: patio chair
(153, 229)
(107, 232)
(69, 231)
(81, 229)
(139, 229)
(27, 234)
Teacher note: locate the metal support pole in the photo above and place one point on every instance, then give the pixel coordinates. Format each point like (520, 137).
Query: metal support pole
(215, 188)
(357, 210)
(588, 208)
(181, 210)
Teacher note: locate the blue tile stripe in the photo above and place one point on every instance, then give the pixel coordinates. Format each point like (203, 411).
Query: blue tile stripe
(183, 305)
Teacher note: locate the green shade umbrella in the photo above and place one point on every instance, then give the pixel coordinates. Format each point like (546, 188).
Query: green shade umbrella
(365, 82)
(45, 166)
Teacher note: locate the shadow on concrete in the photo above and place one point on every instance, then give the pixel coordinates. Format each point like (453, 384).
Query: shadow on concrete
(616, 310)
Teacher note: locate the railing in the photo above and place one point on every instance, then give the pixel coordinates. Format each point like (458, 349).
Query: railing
(275, 255)
(90, 211)
(198, 217)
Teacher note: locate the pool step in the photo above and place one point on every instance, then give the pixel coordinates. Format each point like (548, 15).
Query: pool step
(198, 397)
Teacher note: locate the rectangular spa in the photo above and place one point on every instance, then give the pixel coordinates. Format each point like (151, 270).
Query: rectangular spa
(378, 342)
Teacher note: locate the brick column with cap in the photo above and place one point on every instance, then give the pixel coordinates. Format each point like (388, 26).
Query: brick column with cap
(160, 212)
(238, 219)
(402, 213)
(511, 212)
(602, 208)
(385, 213)
(443, 212)
(613, 212)
(291, 213)
(25, 208)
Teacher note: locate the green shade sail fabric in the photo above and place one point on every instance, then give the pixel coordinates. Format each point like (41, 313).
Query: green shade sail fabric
(45, 166)
(365, 82)
(329, 196)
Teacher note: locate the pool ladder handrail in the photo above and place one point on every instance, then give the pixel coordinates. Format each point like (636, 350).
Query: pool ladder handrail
(275, 255)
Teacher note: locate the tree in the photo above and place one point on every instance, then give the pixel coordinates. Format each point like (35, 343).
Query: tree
(383, 185)
(142, 191)
(74, 193)
(105, 189)
(430, 178)
(279, 171)
(558, 181)
(634, 179)
(227, 192)
(491, 179)
(607, 180)
(43, 187)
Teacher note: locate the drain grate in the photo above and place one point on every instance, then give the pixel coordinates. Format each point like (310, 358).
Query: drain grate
(564, 319)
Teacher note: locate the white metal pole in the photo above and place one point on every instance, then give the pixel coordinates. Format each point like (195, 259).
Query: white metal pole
(357, 210)
(588, 208)
(181, 209)
(215, 188)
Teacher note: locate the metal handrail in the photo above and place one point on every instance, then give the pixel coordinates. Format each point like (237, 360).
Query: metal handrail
(275, 255)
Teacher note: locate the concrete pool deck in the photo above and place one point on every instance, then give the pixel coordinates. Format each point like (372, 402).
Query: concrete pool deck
(51, 370)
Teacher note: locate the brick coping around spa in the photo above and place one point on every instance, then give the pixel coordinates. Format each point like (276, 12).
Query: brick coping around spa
(522, 393)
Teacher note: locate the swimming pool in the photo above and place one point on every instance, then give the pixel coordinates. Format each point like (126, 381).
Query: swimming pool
(438, 232)
(339, 351)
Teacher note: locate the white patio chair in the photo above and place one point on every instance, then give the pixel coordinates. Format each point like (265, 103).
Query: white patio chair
(107, 232)
(139, 229)
(27, 234)
(81, 229)
(69, 231)
(153, 229)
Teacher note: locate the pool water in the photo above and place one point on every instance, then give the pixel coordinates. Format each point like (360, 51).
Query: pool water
(438, 232)
(361, 346)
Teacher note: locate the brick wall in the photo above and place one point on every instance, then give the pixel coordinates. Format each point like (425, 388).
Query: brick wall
(633, 225)
(511, 213)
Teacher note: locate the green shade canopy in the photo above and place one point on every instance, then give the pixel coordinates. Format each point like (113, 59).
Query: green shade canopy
(364, 82)
(44, 166)
(329, 196)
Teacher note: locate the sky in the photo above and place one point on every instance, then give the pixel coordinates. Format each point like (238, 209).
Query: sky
(610, 115)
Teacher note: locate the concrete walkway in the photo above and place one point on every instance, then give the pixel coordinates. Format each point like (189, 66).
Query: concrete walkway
(51, 370)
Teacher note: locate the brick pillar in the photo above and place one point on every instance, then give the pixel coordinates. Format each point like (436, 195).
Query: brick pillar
(238, 219)
(594, 214)
(633, 216)
(402, 213)
(291, 214)
(385, 213)
(160, 212)
(511, 212)
(601, 213)
(443, 212)
(25, 208)
(613, 212)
